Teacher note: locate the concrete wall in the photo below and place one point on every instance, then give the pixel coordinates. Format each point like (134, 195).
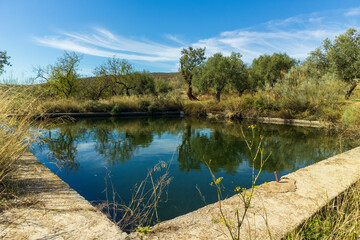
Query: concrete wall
(277, 208)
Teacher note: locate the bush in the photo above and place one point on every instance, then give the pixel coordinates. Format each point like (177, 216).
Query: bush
(351, 115)
(194, 109)
(62, 106)
(144, 104)
(162, 86)
(95, 106)
(116, 109)
(261, 100)
(300, 92)
(167, 103)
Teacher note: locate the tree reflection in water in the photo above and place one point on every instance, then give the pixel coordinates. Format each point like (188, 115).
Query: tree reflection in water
(117, 140)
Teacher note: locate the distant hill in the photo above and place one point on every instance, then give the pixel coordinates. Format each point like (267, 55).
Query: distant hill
(168, 76)
(173, 77)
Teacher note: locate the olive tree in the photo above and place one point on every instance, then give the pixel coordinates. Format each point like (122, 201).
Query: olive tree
(220, 71)
(266, 69)
(341, 56)
(62, 77)
(191, 58)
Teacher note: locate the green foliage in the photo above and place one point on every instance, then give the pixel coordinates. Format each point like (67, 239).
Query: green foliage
(341, 56)
(220, 71)
(144, 230)
(267, 70)
(194, 109)
(351, 115)
(244, 196)
(94, 88)
(162, 86)
(120, 72)
(144, 104)
(4, 60)
(144, 83)
(344, 55)
(261, 101)
(166, 103)
(190, 58)
(95, 106)
(61, 106)
(62, 78)
(300, 92)
(339, 219)
(116, 109)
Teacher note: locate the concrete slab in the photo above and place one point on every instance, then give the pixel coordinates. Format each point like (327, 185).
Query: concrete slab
(59, 212)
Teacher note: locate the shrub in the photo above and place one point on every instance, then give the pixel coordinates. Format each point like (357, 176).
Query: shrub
(194, 108)
(95, 106)
(116, 109)
(300, 92)
(162, 86)
(61, 106)
(144, 104)
(351, 115)
(261, 100)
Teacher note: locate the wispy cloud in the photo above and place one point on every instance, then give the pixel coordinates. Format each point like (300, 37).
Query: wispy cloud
(103, 43)
(174, 39)
(353, 12)
(296, 36)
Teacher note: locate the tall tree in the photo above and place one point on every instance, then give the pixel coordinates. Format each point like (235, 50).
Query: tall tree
(268, 69)
(220, 71)
(191, 58)
(4, 60)
(62, 77)
(342, 56)
(121, 72)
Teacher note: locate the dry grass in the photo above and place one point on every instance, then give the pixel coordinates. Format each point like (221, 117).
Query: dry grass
(340, 219)
(17, 132)
(113, 104)
(141, 210)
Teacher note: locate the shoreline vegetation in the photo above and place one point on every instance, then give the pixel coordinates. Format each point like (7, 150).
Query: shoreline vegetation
(323, 88)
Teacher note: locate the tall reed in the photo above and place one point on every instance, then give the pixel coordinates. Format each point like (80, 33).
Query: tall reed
(16, 129)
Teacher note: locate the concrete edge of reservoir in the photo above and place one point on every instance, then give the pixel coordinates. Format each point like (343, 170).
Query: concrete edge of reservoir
(56, 211)
(108, 114)
(59, 212)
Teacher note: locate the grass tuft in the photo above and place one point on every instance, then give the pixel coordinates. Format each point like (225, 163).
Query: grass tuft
(340, 219)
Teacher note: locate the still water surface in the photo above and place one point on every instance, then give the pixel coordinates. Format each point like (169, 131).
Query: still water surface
(82, 153)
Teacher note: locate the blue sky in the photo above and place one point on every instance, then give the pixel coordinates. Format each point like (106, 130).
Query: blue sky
(151, 34)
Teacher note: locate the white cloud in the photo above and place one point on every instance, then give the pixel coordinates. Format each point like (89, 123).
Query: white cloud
(296, 36)
(353, 12)
(103, 43)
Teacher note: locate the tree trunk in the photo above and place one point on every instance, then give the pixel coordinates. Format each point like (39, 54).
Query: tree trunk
(217, 96)
(127, 92)
(190, 94)
(350, 90)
